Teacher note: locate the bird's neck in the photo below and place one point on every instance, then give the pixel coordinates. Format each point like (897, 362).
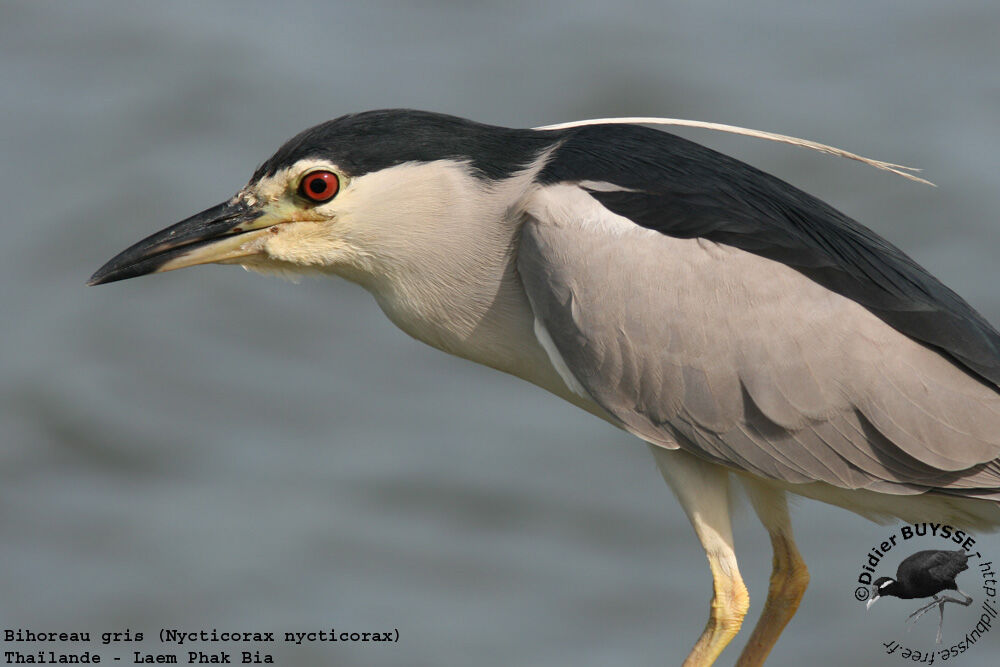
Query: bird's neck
(445, 272)
(894, 589)
(472, 306)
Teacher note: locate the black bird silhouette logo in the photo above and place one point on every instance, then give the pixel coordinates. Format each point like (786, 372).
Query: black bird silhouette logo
(925, 574)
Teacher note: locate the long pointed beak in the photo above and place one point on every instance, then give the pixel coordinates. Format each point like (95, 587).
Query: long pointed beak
(221, 233)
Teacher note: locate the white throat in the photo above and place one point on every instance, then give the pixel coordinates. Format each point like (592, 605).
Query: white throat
(445, 273)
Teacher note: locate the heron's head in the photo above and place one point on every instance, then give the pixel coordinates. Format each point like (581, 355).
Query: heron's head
(355, 196)
(881, 586)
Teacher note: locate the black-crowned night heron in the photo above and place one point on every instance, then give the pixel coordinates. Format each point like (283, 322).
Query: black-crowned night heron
(738, 325)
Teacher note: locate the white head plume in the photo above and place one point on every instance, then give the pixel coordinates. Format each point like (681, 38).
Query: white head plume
(898, 169)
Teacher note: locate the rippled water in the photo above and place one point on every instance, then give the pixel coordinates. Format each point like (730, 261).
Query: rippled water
(215, 449)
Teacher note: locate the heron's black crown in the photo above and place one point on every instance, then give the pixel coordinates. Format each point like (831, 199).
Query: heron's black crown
(373, 140)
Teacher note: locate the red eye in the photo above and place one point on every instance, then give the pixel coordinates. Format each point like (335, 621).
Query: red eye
(319, 186)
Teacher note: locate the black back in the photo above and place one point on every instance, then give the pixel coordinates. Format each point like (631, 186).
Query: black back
(686, 190)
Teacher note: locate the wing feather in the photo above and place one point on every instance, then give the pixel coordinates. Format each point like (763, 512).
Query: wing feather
(746, 361)
(678, 188)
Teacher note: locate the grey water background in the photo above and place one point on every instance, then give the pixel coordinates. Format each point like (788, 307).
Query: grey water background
(211, 448)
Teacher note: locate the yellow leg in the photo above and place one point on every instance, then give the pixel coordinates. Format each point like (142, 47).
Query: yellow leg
(730, 602)
(789, 575)
(703, 490)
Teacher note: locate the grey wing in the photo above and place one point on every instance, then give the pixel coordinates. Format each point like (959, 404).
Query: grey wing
(745, 361)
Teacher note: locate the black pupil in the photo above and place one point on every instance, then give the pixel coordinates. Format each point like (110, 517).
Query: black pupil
(317, 186)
